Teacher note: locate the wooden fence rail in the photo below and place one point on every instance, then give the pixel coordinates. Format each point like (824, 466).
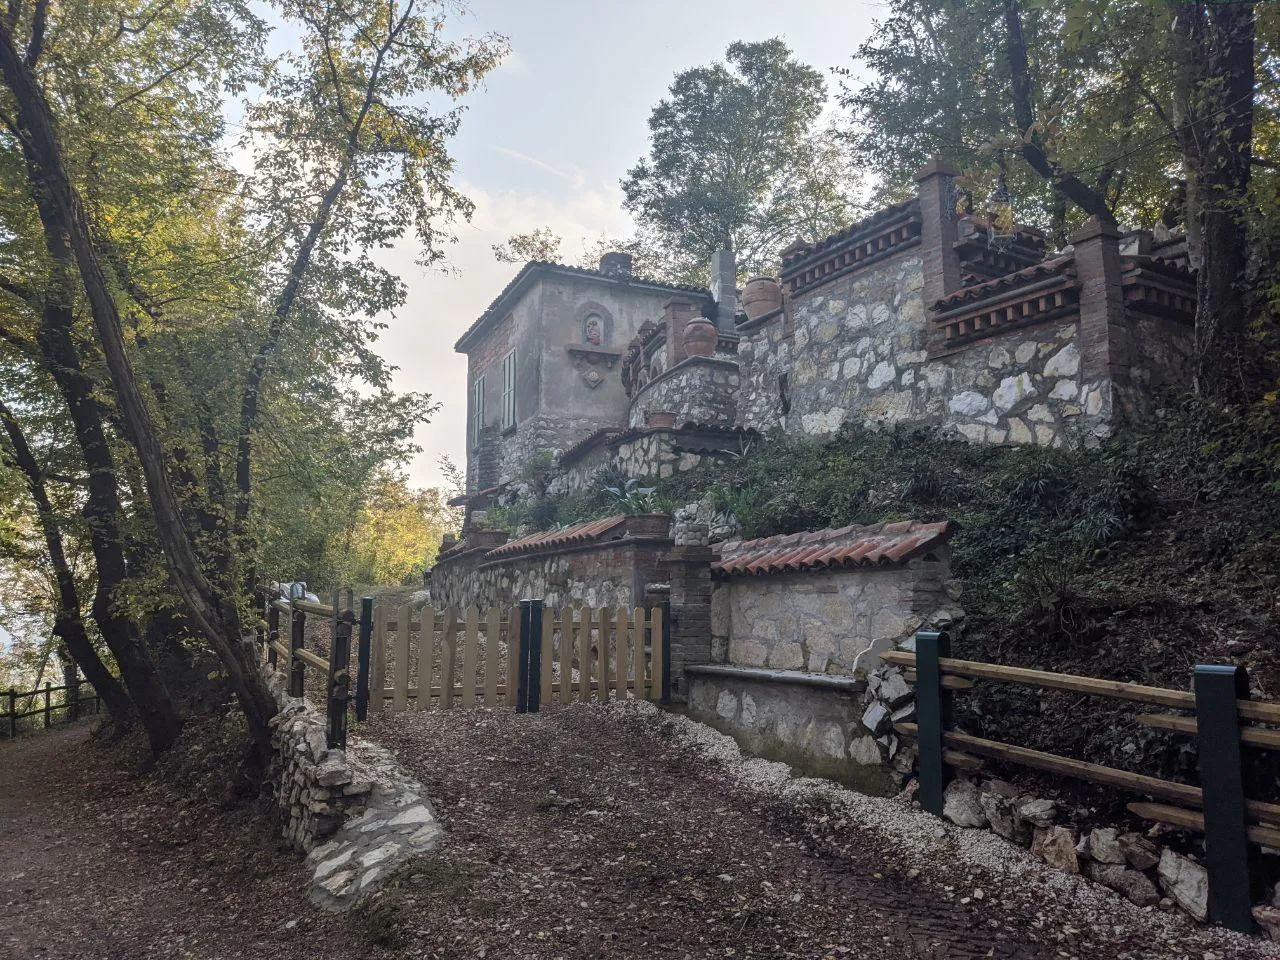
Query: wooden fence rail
(1220, 700)
(70, 707)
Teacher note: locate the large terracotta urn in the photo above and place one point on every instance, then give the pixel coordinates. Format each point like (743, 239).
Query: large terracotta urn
(699, 338)
(761, 295)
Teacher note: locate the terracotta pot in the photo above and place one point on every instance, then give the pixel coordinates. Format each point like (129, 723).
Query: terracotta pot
(761, 295)
(651, 525)
(700, 337)
(660, 418)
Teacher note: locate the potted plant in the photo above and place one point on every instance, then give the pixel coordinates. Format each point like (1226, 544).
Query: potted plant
(643, 516)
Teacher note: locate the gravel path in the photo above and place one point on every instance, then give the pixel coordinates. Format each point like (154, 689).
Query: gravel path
(582, 833)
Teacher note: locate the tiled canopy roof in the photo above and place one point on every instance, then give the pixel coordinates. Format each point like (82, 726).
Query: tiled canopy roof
(981, 291)
(884, 545)
(590, 532)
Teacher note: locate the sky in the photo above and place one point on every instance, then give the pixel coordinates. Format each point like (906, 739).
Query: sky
(546, 141)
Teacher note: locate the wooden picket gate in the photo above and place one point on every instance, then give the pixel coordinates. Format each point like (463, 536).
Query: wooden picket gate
(524, 656)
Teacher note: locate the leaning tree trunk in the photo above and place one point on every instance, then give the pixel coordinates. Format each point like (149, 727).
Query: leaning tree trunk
(68, 621)
(212, 611)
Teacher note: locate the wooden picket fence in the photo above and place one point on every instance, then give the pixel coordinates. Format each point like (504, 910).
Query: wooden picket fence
(523, 656)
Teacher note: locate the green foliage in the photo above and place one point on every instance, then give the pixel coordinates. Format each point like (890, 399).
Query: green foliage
(735, 160)
(632, 498)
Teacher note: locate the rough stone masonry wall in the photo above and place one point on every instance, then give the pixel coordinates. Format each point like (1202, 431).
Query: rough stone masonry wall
(702, 390)
(604, 575)
(315, 788)
(824, 622)
(858, 354)
(651, 454)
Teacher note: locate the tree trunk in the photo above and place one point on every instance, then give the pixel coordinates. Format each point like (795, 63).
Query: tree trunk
(68, 621)
(212, 612)
(1214, 45)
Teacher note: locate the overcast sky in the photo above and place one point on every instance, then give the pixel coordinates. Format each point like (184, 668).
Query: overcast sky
(549, 137)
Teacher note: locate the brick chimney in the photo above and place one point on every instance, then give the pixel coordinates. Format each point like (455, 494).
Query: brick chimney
(938, 230)
(677, 312)
(724, 289)
(615, 263)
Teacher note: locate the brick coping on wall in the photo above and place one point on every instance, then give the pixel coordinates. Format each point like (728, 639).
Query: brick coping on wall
(575, 548)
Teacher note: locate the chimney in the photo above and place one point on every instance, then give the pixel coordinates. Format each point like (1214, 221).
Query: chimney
(724, 289)
(616, 264)
(676, 313)
(938, 233)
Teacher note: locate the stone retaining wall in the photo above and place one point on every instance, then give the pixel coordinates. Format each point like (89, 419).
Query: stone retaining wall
(697, 390)
(315, 788)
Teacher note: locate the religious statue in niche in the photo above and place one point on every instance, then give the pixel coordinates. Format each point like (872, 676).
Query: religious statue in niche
(593, 331)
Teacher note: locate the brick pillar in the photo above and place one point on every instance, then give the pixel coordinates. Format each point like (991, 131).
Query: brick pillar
(677, 312)
(690, 569)
(938, 230)
(1105, 355)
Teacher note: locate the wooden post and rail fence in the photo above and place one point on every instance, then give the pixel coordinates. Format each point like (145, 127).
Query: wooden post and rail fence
(1223, 720)
(525, 656)
(40, 702)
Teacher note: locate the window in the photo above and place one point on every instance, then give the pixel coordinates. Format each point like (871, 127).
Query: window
(477, 410)
(509, 391)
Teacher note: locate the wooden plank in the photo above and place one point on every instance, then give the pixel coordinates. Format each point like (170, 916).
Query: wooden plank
(492, 657)
(638, 624)
(513, 653)
(470, 650)
(1194, 820)
(312, 660)
(426, 653)
(958, 684)
(280, 648)
(584, 654)
(568, 630)
(448, 651)
(1257, 710)
(544, 682)
(1094, 772)
(306, 606)
(400, 671)
(378, 675)
(962, 761)
(602, 661)
(1267, 739)
(620, 645)
(655, 648)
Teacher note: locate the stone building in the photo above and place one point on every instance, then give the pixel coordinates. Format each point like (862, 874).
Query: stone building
(915, 315)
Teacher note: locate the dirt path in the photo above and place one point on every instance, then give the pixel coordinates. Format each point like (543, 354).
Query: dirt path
(576, 834)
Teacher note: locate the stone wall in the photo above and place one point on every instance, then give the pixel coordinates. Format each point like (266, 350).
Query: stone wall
(599, 575)
(701, 390)
(315, 788)
(860, 353)
(824, 622)
(809, 722)
(651, 453)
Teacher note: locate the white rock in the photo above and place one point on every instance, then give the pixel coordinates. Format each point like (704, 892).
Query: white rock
(882, 375)
(1056, 846)
(1039, 813)
(864, 750)
(1104, 847)
(895, 690)
(1011, 391)
(875, 717)
(968, 404)
(1064, 363)
(412, 817)
(960, 804)
(1185, 882)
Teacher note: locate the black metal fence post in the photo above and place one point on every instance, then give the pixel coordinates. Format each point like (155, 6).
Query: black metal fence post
(339, 681)
(363, 657)
(665, 651)
(47, 686)
(522, 658)
(13, 713)
(297, 640)
(71, 698)
(1226, 839)
(933, 716)
(535, 656)
(273, 631)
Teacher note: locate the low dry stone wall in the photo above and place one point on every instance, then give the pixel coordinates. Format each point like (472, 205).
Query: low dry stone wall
(316, 788)
(700, 390)
(356, 813)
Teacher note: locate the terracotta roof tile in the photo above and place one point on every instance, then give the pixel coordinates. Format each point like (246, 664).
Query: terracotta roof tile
(980, 291)
(887, 544)
(589, 532)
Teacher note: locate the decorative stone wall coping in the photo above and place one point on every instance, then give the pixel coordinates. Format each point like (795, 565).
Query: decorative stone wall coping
(799, 678)
(683, 367)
